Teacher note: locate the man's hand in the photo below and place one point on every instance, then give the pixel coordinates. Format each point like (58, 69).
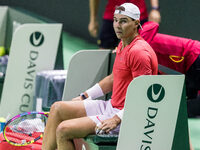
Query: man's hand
(93, 28)
(80, 98)
(77, 98)
(154, 15)
(109, 124)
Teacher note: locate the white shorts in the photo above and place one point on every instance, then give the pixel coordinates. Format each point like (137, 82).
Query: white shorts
(99, 110)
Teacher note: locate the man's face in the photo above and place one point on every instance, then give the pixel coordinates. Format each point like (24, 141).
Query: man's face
(124, 26)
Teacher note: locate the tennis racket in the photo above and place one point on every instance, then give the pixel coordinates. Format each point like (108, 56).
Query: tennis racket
(25, 128)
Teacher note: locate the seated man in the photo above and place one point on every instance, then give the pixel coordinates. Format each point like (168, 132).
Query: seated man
(79, 117)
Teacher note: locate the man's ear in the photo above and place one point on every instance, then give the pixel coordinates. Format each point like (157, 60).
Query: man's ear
(137, 22)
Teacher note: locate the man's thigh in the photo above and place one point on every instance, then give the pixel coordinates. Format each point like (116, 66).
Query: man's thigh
(95, 107)
(78, 127)
(69, 109)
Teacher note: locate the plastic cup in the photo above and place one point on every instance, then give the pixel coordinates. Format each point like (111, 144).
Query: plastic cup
(2, 123)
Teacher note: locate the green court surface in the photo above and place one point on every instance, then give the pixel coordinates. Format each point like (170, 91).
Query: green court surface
(72, 44)
(194, 129)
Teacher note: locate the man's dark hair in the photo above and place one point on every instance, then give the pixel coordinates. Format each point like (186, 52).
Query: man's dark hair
(120, 8)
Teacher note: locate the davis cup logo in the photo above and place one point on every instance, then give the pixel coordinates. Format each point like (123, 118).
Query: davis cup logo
(36, 39)
(155, 93)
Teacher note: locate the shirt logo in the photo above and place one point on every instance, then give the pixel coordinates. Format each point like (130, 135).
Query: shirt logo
(176, 59)
(156, 93)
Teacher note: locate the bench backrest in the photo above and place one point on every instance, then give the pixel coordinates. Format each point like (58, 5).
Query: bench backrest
(86, 68)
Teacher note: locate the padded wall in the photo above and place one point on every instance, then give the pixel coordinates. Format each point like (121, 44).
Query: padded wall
(179, 17)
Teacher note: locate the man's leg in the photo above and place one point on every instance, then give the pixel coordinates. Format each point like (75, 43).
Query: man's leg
(59, 112)
(74, 128)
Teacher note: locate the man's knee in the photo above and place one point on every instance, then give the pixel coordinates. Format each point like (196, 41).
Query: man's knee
(65, 131)
(57, 106)
(66, 110)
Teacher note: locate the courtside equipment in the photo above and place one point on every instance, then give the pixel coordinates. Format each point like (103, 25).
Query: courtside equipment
(2, 123)
(25, 128)
(2, 50)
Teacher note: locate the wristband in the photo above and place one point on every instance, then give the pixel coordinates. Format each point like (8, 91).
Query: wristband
(155, 8)
(95, 91)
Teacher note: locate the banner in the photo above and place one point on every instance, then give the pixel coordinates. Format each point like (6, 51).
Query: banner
(33, 49)
(3, 22)
(151, 114)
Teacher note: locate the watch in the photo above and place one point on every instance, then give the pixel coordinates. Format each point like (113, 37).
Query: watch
(156, 8)
(83, 96)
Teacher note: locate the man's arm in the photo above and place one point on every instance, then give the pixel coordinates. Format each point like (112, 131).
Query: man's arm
(103, 87)
(154, 14)
(93, 24)
(98, 90)
(106, 84)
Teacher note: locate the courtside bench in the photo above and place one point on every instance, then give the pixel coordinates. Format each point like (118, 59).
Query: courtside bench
(32, 48)
(10, 19)
(169, 110)
(13, 17)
